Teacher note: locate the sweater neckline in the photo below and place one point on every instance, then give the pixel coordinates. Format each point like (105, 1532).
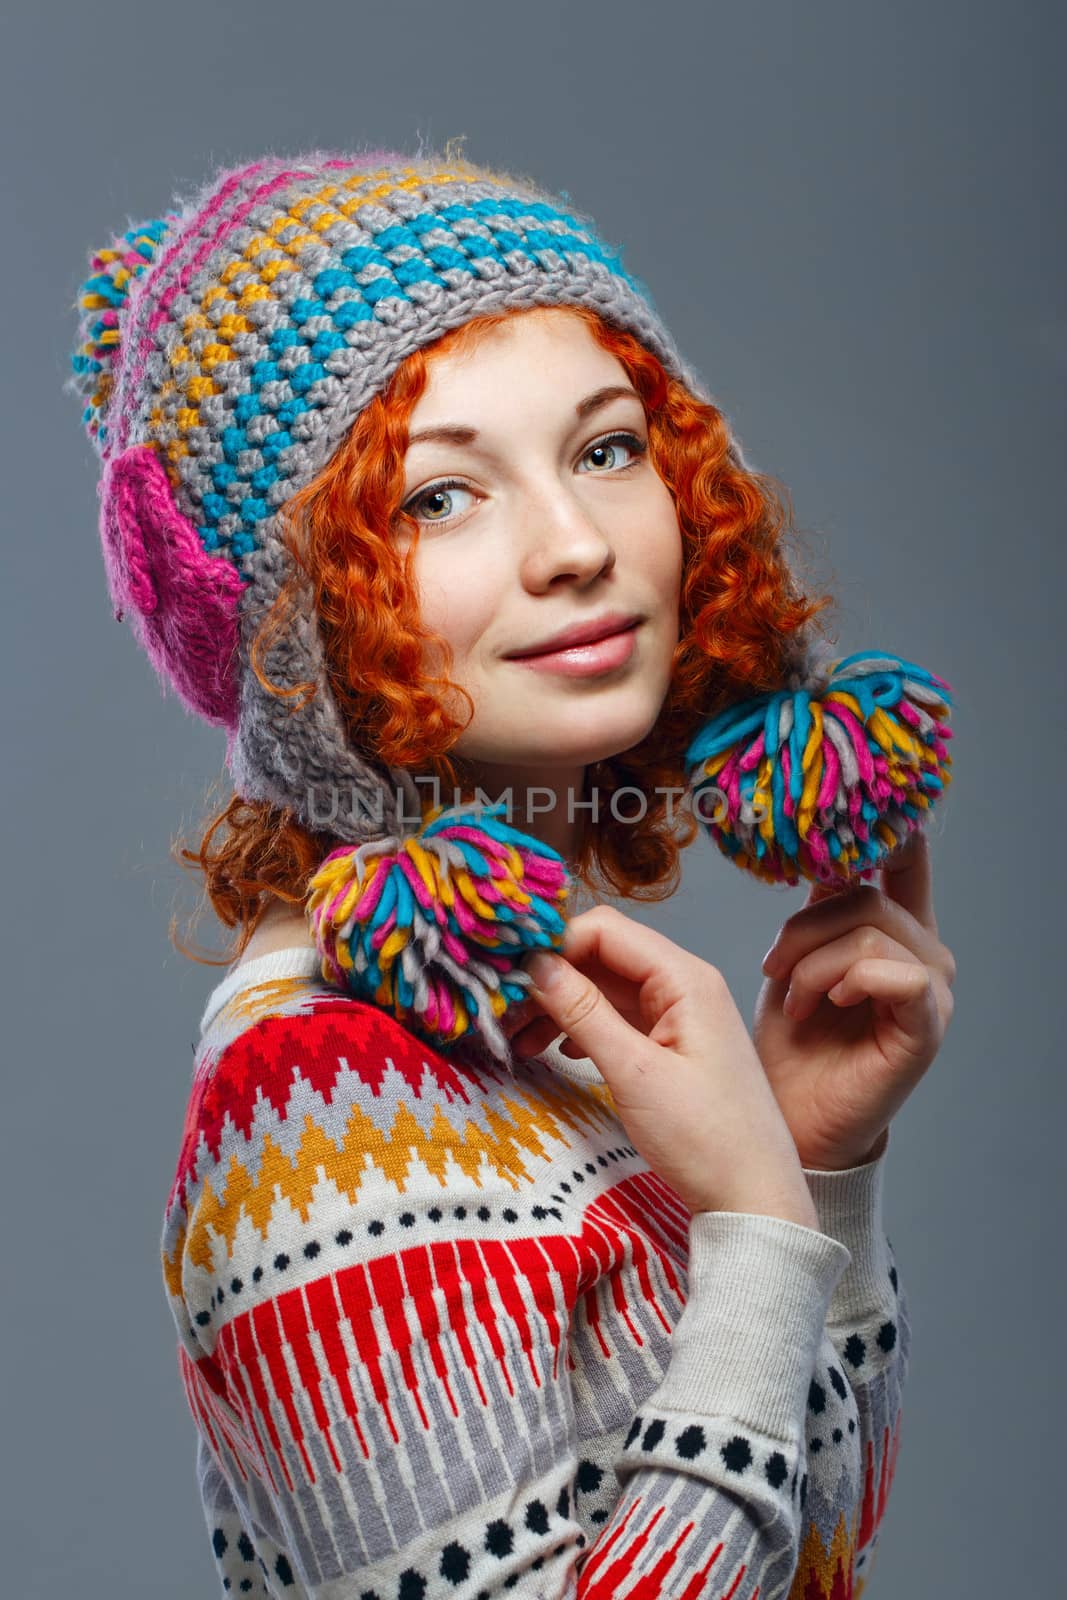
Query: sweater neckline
(297, 961)
(302, 961)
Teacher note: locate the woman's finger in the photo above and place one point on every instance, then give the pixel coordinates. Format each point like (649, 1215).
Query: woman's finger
(672, 995)
(623, 992)
(531, 1029)
(534, 1039)
(832, 917)
(817, 973)
(588, 1018)
(907, 878)
(906, 988)
(535, 1036)
(641, 973)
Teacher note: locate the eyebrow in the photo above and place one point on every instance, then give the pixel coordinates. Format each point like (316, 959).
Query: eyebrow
(458, 433)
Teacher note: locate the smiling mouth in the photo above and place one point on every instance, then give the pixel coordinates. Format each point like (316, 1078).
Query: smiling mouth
(580, 644)
(594, 658)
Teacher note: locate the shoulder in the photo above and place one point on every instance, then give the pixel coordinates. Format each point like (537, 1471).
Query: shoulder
(297, 1120)
(332, 1047)
(287, 1054)
(291, 1072)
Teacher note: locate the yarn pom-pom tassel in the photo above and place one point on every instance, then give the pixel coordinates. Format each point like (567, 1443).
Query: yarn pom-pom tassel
(823, 779)
(432, 926)
(102, 299)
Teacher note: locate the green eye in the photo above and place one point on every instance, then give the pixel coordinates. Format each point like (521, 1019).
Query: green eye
(436, 491)
(449, 487)
(636, 446)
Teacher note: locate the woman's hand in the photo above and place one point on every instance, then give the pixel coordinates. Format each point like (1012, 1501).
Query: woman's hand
(855, 1006)
(688, 1086)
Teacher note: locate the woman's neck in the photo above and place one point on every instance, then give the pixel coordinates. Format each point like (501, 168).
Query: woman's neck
(281, 927)
(551, 806)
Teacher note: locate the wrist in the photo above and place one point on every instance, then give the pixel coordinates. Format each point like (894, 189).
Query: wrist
(785, 1201)
(845, 1161)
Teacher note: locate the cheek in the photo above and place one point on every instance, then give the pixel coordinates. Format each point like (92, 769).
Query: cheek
(459, 611)
(661, 546)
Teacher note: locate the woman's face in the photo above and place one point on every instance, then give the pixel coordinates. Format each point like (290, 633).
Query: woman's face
(540, 511)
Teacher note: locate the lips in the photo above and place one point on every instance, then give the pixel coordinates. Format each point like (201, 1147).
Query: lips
(580, 633)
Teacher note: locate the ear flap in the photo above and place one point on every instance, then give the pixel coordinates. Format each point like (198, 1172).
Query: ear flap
(183, 602)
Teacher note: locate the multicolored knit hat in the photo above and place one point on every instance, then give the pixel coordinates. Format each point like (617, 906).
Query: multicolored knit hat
(225, 350)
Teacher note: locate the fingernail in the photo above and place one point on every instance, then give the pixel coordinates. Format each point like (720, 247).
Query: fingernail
(544, 970)
(770, 960)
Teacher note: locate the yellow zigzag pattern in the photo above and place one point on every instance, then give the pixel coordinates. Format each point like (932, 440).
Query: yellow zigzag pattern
(817, 1567)
(520, 1127)
(273, 997)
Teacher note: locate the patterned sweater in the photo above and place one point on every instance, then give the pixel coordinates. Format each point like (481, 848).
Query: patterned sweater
(443, 1333)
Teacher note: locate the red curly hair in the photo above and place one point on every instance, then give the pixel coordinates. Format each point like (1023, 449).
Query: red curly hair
(742, 617)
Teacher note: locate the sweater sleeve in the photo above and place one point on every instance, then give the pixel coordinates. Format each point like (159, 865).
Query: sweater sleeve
(387, 1403)
(854, 1408)
(712, 1468)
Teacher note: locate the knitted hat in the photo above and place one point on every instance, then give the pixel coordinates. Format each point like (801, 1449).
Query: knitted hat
(225, 350)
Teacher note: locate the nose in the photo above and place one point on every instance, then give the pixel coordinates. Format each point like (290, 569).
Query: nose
(562, 539)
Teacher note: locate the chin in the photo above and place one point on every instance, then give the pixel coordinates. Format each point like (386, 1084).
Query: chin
(565, 734)
(615, 733)
(581, 749)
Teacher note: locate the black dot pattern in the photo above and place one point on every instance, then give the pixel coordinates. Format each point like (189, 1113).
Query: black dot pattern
(653, 1434)
(500, 1539)
(740, 1455)
(455, 1562)
(242, 1570)
(858, 1352)
(833, 1421)
(376, 1228)
(692, 1442)
(536, 1518)
(737, 1453)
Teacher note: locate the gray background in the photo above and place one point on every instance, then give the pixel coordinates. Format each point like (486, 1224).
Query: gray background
(850, 216)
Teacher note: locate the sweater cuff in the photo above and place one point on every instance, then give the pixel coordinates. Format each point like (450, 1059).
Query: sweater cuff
(746, 1342)
(849, 1208)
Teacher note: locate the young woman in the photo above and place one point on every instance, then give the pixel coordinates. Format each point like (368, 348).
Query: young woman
(406, 481)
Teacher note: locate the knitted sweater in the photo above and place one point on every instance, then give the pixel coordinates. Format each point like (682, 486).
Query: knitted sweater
(443, 1333)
